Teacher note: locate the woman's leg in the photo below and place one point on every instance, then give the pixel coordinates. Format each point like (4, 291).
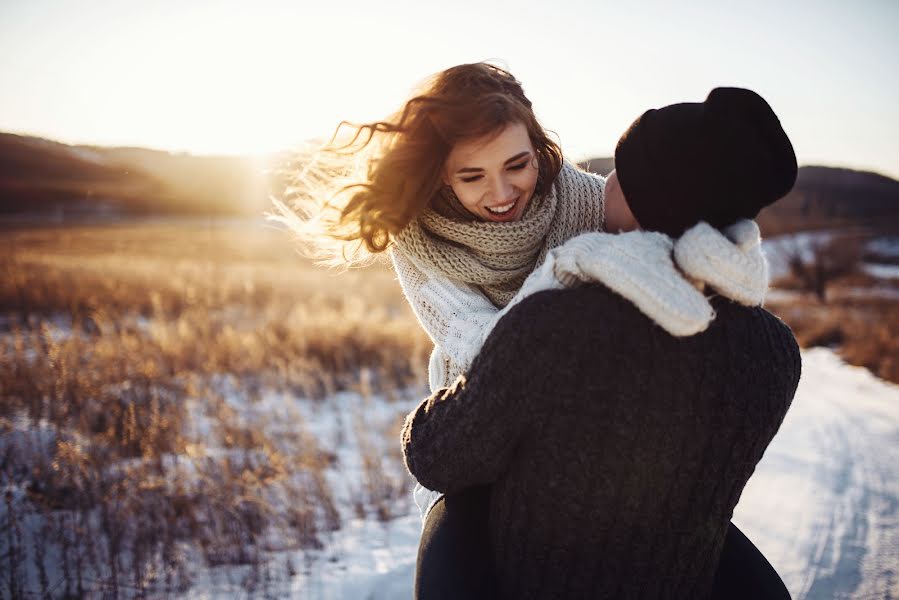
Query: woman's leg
(744, 572)
(454, 558)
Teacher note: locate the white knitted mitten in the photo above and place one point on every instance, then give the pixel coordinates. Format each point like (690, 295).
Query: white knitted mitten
(733, 263)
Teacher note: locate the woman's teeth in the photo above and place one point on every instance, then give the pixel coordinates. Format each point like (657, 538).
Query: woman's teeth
(502, 209)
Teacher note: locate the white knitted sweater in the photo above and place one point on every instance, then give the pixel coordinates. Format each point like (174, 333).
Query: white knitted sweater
(662, 277)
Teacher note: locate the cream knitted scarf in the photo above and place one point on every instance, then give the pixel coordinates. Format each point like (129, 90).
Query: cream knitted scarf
(498, 257)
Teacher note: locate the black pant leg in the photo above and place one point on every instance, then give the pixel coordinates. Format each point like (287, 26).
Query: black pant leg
(744, 573)
(454, 555)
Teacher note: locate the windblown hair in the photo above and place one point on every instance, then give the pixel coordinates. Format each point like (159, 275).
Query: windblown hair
(359, 190)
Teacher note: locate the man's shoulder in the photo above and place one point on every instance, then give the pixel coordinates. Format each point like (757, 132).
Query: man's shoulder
(729, 311)
(590, 296)
(592, 306)
(597, 312)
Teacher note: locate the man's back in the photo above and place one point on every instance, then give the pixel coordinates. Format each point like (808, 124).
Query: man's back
(616, 452)
(639, 443)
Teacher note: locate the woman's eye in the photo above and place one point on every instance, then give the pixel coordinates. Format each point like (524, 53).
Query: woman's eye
(517, 167)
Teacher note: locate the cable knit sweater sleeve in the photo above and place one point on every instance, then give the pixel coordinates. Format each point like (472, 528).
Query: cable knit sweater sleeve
(452, 313)
(467, 434)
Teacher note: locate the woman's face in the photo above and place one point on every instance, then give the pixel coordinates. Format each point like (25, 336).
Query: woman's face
(494, 176)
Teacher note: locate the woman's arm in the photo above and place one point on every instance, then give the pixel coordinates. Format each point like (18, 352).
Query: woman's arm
(452, 313)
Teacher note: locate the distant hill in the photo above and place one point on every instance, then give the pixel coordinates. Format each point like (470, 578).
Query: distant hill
(600, 166)
(43, 177)
(823, 197)
(832, 197)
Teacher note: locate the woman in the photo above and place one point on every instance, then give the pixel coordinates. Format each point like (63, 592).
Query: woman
(468, 193)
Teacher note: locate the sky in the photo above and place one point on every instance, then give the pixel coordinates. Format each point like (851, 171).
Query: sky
(224, 77)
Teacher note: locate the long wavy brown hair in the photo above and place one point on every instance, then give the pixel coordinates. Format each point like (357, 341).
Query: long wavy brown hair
(361, 188)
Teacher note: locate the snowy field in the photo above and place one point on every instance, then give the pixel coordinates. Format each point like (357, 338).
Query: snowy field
(823, 505)
(257, 417)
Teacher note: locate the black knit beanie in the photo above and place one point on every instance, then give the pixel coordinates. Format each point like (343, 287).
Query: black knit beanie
(716, 161)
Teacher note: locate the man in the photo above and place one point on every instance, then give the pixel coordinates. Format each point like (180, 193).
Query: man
(617, 423)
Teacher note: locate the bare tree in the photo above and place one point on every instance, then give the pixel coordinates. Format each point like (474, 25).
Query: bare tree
(823, 260)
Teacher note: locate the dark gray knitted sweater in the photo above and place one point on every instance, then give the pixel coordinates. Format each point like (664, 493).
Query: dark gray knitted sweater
(617, 452)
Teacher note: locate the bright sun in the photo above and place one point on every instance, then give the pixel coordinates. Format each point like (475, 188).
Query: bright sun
(235, 84)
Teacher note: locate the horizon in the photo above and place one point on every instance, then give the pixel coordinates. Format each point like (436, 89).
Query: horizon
(251, 156)
(222, 79)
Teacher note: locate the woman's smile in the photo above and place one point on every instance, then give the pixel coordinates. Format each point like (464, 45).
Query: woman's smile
(504, 212)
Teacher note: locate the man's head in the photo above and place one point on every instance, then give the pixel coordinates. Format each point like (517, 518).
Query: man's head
(717, 161)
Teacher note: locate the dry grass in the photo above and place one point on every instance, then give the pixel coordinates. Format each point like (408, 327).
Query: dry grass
(862, 330)
(123, 349)
(833, 301)
(214, 299)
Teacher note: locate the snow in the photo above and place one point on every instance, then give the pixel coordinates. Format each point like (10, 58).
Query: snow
(882, 271)
(823, 505)
(886, 246)
(366, 558)
(778, 249)
(363, 560)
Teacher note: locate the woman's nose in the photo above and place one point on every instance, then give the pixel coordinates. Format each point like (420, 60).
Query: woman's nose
(501, 190)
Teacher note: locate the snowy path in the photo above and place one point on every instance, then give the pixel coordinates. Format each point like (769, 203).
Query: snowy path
(823, 504)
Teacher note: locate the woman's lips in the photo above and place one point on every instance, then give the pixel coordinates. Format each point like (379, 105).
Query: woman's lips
(508, 214)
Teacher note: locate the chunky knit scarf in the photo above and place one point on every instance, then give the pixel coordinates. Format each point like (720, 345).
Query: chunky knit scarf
(498, 257)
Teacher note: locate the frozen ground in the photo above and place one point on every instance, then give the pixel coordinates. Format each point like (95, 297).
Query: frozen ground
(823, 504)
